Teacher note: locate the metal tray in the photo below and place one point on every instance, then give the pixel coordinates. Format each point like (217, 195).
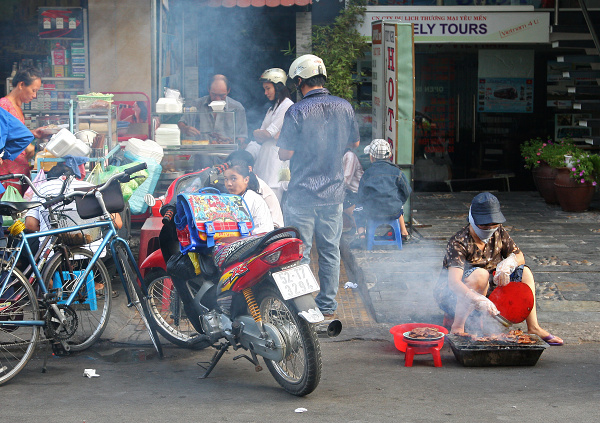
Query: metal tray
(484, 354)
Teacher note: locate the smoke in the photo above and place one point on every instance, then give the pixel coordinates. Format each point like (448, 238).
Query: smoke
(239, 42)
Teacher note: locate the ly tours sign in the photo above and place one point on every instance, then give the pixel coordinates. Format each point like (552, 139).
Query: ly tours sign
(465, 27)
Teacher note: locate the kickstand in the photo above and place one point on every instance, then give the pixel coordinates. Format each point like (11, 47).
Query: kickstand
(221, 349)
(46, 354)
(253, 360)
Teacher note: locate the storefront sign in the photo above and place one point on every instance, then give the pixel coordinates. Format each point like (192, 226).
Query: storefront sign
(60, 22)
(466, 27)
(377, 80)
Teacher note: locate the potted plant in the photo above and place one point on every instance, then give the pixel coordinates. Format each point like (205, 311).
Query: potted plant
(575, 185)
(543, 157)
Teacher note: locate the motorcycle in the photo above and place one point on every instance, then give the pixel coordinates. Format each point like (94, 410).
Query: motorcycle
(250, 293)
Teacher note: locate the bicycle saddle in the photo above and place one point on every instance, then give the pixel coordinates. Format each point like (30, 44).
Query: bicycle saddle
(7, 208)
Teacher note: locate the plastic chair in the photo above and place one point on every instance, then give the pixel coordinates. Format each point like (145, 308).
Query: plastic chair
(373, 224)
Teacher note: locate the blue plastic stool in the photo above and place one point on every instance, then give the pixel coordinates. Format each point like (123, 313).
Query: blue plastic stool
(373, 224)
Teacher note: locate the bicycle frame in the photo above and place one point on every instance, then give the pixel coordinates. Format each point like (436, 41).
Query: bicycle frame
(110, 237)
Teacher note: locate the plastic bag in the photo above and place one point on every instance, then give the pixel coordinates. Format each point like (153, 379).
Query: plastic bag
(11, 194)
(94, 176)
(39, 179)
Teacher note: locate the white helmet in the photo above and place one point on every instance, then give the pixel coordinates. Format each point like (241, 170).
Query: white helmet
(307, 66)
(274, 75)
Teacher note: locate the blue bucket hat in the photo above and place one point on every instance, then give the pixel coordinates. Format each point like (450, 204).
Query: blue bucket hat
(485, 209)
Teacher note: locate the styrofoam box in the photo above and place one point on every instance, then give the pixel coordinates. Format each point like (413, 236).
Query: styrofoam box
(64, 143)
(168, 105)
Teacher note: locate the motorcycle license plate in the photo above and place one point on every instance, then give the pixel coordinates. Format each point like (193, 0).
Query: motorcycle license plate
(296, 281)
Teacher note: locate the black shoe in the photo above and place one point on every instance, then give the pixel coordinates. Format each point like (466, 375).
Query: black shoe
(406, 238)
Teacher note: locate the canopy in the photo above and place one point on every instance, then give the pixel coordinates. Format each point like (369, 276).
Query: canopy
(257, 3)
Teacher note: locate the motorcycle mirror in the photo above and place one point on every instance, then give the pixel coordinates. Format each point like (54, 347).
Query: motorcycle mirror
(149, 199)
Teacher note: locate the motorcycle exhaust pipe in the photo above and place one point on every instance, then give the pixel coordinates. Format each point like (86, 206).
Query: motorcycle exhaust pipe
(331, 328)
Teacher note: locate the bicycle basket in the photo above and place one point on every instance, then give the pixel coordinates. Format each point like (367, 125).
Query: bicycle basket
(70, 218)
(88, 206)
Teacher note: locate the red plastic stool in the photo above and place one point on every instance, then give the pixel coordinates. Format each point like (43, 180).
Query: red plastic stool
(421, 347)
(150, 230)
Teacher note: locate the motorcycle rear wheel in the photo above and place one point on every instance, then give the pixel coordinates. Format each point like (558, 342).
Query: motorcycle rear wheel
(299, 372)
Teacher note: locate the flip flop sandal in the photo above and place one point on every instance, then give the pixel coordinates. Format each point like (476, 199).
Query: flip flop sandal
(551, 337)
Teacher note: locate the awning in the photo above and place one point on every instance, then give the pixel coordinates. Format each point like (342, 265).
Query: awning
(257, 3)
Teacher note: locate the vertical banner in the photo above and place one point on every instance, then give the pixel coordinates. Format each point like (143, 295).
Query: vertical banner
(390, 52)
(399, 111)
(377, 79)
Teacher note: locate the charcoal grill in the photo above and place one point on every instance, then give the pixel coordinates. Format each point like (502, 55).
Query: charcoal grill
(495, 353)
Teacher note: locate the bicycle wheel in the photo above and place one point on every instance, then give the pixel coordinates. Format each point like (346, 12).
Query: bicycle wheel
(137, 297)
(93, 303)
(299, 372)
(17, 343)
(166, 309)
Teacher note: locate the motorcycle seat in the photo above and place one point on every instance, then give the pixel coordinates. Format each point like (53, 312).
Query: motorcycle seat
(232, 250)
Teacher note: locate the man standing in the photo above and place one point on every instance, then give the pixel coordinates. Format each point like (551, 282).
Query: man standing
(315, 133)
(220, 128)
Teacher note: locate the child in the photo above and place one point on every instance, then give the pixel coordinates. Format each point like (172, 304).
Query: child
(238, 181)
(382, 191)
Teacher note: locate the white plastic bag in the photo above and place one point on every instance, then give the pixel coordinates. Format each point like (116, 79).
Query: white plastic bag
(39, 179)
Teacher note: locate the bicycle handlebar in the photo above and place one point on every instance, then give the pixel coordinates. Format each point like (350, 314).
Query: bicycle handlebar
(5, 177)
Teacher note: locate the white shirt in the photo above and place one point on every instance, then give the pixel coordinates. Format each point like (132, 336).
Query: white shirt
(253, 148)
(260, 212)
(53, 187)
(353, 171)
(272, 202)
(268, 165)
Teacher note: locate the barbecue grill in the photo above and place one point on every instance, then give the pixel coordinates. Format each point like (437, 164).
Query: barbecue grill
(471, 353)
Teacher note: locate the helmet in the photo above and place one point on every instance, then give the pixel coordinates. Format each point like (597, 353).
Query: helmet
(307, 66)
(274, 75)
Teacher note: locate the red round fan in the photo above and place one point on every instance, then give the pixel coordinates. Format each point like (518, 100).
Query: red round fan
(514, 301)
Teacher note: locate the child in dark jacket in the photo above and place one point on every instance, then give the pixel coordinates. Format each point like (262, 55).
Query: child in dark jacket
(382, 191)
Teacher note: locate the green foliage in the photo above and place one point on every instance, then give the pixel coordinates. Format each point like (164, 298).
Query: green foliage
(584, 167)
(537, 151)
(340, 45)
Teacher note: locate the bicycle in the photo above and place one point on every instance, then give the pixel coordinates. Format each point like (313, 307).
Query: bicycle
(23, 314)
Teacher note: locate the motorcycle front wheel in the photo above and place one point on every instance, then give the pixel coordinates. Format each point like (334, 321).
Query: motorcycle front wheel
(299, 372)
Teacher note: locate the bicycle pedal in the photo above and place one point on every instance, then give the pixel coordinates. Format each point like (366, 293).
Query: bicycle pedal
(53, 295)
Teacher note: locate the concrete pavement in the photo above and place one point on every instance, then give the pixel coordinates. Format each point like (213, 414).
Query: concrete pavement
(561, 248)
(395, 287)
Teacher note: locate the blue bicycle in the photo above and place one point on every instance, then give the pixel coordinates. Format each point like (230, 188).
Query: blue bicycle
(72, 304)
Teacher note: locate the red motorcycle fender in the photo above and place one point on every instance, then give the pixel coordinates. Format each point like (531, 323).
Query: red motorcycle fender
(307, 308)
(155, 259)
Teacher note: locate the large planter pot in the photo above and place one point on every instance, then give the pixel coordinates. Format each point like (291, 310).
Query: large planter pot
(543, 177)
(572, 195)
